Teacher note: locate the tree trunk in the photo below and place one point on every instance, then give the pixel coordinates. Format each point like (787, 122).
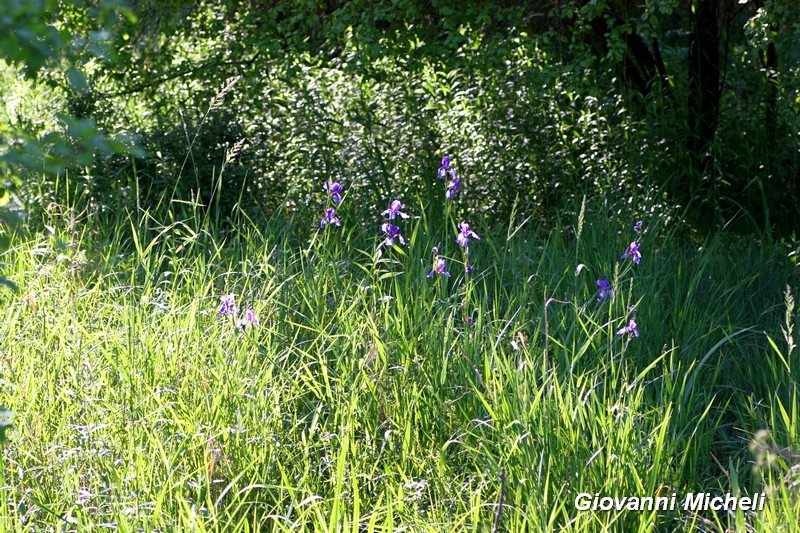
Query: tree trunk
(640, 69)
(704, 88)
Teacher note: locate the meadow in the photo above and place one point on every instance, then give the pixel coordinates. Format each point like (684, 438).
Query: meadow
(174, 375)
(397, 266)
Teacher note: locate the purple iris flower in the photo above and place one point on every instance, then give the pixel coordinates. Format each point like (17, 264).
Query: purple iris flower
(453, 188)
(629, 329)
(394, 210)
(470, 269)
(606, 291)
(335, 188)
(392, 232)
(445, 168)
(637, 227)
(330, 218)
(633, 251)
(439, 268)
(465, 234)
(250, 319)
(228, 306)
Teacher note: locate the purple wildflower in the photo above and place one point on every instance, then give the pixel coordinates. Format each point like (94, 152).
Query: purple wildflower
(228, 306)
(392, 232)
(439, 268)
(465, 234)
(335, 188)
(633, 251)
(394, 210)
(453, 188)
(250, 319)
(330, 218)
(606, 291)
(470, 269)
(638, 226)
(445, 168)
(629, 329)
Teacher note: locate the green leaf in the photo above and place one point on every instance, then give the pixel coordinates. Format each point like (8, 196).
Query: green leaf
(128, 14)
(77, 79)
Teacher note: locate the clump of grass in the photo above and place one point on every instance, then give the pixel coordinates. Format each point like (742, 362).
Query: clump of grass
(371, 396)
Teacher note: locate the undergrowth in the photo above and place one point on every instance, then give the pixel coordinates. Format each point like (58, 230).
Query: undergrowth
(168, 375)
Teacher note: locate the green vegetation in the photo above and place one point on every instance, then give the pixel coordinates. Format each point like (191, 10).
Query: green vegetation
(365, 399)
(186, 348)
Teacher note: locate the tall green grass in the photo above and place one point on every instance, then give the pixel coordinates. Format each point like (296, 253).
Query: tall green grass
(365, 401)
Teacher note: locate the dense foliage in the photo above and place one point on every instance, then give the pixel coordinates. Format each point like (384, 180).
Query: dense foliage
(539, 103)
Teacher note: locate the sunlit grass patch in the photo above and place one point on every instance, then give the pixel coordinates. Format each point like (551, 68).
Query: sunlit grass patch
(371, 396)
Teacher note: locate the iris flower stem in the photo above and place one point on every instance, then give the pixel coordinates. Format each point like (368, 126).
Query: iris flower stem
(467, 296)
